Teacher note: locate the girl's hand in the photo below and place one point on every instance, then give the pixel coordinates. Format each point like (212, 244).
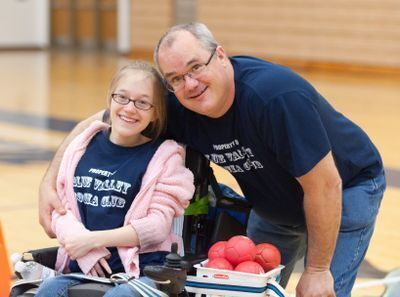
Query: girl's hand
(99, 268)
(79, 245)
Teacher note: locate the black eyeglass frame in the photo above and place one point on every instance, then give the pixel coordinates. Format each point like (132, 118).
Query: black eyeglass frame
(135, 101)
(189, 73)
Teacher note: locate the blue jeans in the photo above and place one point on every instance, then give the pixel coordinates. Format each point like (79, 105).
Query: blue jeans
(360, 207)
(58, 287)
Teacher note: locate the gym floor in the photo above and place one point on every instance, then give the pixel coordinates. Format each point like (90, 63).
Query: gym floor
(44, 93)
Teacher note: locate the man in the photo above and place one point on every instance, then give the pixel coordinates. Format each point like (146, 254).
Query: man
(314, 178)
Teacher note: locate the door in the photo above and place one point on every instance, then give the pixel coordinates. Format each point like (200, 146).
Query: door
(24, 23)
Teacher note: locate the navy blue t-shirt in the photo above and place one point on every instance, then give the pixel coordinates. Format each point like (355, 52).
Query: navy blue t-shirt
(106, 181)
(278, 128)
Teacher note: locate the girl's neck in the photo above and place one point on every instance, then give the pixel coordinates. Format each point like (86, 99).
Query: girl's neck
(134, 140)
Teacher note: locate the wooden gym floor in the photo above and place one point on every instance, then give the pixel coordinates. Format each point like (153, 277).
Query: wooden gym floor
(44, 93)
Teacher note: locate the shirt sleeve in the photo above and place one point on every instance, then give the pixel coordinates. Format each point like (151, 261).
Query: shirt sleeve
(298, 136)
(175, 128)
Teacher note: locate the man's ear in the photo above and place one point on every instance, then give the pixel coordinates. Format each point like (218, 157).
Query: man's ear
(221, 54)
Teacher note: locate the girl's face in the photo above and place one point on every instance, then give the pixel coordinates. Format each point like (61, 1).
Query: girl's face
(127, 121)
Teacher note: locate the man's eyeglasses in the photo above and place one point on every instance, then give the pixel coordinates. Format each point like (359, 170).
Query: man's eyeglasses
(176, 83)
(139, 103)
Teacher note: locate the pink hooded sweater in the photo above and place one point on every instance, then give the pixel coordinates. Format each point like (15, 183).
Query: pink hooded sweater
(166, 189)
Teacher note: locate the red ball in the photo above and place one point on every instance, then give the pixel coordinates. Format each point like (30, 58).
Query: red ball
(219, 263)
(239, 249)
(217, 250)
(268, 256)
(250, 267)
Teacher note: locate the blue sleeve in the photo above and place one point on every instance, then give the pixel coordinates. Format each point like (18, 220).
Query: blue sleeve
(297, 136)
(175, 119)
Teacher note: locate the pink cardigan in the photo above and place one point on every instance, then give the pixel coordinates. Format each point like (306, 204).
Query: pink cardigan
(166, 189)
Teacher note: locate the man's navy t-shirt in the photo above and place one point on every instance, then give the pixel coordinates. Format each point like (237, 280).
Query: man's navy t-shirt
(106, 181)
(278, 128)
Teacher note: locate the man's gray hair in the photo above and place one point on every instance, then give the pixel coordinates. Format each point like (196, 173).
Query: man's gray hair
(198, 30)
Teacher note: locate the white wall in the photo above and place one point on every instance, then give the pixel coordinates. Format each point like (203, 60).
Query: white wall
(124, 26)
(24, 23)
(355, 32)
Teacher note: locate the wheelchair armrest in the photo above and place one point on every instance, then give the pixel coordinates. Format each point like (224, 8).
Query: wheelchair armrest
(241, 205)
(225, 227)
(46, 256)
(192, 260)
(89, 289)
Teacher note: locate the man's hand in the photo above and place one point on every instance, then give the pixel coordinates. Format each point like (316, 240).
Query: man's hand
(48, 201)
(315, 283)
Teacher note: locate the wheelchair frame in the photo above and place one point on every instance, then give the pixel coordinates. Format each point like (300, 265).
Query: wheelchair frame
(200, 231)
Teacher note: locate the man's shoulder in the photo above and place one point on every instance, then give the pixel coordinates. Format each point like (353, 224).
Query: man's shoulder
(249, 68)
(264, 79)
(255, 64)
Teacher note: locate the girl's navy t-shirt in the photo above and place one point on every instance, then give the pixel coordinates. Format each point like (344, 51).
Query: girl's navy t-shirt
(106, 181)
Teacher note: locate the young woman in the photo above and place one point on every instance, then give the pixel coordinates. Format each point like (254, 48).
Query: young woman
(122, 186)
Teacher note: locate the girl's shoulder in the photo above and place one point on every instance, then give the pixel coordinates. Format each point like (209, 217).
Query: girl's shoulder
(168, 147)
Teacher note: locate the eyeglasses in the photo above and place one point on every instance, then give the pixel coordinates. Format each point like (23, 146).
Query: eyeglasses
(139, 103)
(176, 83)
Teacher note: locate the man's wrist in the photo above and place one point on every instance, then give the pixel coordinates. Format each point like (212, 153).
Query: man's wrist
(48, 179)
(316, 268)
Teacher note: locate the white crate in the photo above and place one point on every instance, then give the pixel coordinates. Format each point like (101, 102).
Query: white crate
(218, 282)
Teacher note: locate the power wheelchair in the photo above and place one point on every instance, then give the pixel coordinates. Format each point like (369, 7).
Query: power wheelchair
(211, 216)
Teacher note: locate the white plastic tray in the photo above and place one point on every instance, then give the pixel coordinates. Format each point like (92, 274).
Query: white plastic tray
(218, 282)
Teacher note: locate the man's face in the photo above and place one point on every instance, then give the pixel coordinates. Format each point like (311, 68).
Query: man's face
(210, 92)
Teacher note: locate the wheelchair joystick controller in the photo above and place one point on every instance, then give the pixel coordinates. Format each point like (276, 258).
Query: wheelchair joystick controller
(170, 277)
